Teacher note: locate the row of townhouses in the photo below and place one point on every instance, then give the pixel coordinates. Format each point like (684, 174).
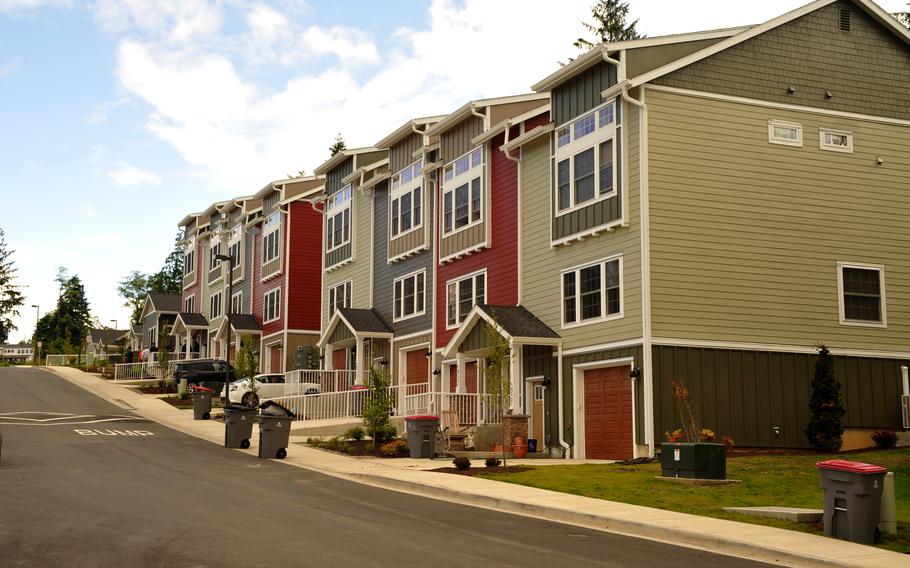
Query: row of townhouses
(705, 207)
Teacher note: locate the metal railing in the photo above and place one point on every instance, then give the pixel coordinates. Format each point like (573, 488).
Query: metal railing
(326, 405)
(145, 370)
(54, 360)
(300, 381)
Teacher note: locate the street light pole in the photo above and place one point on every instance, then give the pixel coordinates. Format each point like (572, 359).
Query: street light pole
(35, 340)
(115, 323)
(227, 315)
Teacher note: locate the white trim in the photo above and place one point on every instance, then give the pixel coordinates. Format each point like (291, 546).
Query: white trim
(603, 347)
(590, 141)
(265, 337)
(592, 232)
(265, 305)
(465, 179)
(456, 280)
(782, 106)
(578, 401)
(268, 232)
(221, 305)
(464, 252)
(413, 335)
(414, 186)
(880, 268)
(307, 331)
(339, 210)
(777, 348)
(237, 294)
(409, 253)
(395, 300)
(349, 297)
(822, 145)
(603, 293)
(773, 138)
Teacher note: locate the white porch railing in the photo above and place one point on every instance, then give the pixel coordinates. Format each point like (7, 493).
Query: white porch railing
(61, 360)
(149, 370)
(301, 381)
(326, 405)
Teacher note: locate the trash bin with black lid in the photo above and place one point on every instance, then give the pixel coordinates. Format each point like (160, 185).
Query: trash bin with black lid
(421, 435)
(238, 425)
(274, 430)
(853, 493)
(202, 403)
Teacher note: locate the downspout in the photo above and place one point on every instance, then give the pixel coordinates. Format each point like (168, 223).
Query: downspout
(620, 76)
(560, 388)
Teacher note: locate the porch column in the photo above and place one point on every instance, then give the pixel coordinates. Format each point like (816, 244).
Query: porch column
(460, 365)
(515, 382)
(189, 344)
(327, 357)
(359, 363)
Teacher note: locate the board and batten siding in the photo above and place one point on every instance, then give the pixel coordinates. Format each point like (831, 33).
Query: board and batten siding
(581, 93)
(335, 175)
(746, 235)
(385, 273)
(541, 266)
(866, 69)
(456, 141)
(401, 154)
(359, 269)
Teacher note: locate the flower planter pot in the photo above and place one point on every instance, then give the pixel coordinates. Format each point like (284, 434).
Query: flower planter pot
(520, 451)
(698, 460)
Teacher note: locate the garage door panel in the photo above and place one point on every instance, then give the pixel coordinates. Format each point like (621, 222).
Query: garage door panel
(608, 413)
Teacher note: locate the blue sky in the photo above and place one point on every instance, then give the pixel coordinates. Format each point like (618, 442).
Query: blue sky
(119, 117)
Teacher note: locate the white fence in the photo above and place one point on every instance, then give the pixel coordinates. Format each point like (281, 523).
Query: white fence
(61, 360)
(299, 382)
(134, 371)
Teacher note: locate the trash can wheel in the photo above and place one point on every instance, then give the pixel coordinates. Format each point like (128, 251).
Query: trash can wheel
(244, 444)
(281, 453)
(206, 416)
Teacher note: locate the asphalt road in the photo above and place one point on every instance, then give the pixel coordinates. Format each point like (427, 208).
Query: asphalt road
(84, 483)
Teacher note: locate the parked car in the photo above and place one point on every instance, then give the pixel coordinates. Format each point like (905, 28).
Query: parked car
(266, 386)
(208, 373)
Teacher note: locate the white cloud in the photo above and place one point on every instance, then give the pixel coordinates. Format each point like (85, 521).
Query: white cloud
(24, 5)
(173, 20)
(125, 175)
(210, 105)
(100, 112)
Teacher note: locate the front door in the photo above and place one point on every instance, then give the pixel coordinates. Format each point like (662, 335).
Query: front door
(608, 413)
(416, 367)
(275, 359)
(537, 414)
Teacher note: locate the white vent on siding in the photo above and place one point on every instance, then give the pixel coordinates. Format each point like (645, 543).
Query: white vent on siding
(844, 20)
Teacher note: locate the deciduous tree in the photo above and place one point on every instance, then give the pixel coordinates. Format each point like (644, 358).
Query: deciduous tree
(11, 298)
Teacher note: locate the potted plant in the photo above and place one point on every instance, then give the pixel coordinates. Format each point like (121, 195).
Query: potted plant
(691, 451)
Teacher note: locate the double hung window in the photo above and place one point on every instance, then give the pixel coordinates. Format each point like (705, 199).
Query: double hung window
(586, 158)
(462, 295)
(189, 304)
(408, 295)
(406, 200)
(234, 245)
(214, 251)
(189, 258)
(215, 305)
(237, 303)
(592, 292)
(339, 297)
(862, 294)
(338, 219)
(271, 241)
(462, 191)
(271, 305)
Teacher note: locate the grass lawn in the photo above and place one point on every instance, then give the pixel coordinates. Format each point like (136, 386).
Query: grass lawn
(781, 480)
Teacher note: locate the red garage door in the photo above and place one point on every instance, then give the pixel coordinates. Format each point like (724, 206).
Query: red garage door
(275, 359)
(608, 413)
(417, 367)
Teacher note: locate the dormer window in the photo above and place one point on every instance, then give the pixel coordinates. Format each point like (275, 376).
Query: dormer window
(405, 208)
(462, 191)
(585, 159)
(338, 219)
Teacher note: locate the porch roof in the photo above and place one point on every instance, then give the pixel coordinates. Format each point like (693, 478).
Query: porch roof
(187, 320)
(240, 324)
(361, 323)
(515, 323)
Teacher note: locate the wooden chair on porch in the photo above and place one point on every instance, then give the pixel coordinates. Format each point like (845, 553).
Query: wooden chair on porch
(455, 436)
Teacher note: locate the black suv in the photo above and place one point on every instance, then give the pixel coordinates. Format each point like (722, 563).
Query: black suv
(208, 373)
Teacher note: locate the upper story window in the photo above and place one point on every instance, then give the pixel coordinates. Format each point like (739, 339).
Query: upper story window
(271, 242)
(462, 191)
(592, 293)
(408, 296)
(189, 304)
(786, 133)
(586, 158)
(234, 245)
(215, 305)
(189, 258)
(339, 297)
(862, 294)
(338, 219)
(214, 251)
(462, 295)
(405, 206)
(237, 303)
(271, 305)
(835, 140)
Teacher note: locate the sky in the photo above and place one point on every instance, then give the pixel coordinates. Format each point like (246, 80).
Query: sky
(119, 117)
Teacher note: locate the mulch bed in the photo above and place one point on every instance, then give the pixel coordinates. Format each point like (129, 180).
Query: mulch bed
(476, 470)
(174, 401)
(158, 390)
(359, 448)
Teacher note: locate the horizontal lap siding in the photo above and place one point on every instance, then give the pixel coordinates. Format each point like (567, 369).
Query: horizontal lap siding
(501, 260)
(304, 270)
(746, 234)
(542, 265)
(359, 269)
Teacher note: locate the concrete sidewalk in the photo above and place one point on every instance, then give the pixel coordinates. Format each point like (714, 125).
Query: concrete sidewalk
(768, 544)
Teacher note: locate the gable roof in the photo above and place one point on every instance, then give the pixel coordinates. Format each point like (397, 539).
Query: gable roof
(106, 336)
(470, 107)
(240, 324)
(192, 320)
(515, 323)
(407, 129)
(169, 303)
(871, 8)
(363, 322)
(341, 156)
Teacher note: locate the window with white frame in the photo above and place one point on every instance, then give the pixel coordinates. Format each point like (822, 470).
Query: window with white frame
(339, 297)
(462, 295)
(271, 241)
(214, 251)
(586, 159)
(835, 140)
(405, 207)
(862, 294)
(189, 304)
(462, 191)
(338, 219)
(215, 305)
(786, 133)
(271, 306)
(234, 245)
(189, 258)
(593, 292)
(408, 296)
(237, 303)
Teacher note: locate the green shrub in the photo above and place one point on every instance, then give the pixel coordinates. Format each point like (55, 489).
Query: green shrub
(826, 429)
(462, 464)
(351, 450)
(885, 438)
(386, 433)
(378, 405)
(492, 462)
(356, 433)
(393, 448)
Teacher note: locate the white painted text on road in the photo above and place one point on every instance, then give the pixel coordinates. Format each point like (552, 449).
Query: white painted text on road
(113, 432)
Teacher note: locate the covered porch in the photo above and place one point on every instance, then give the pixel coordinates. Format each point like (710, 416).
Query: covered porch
(242, 325)
(191, 332)
(354, 341)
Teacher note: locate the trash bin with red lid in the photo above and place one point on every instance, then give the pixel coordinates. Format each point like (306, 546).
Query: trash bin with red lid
(853, 494)
(421, 435)
(202, 403)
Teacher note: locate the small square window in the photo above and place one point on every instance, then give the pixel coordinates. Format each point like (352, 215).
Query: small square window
(786, 133)
(835, 140)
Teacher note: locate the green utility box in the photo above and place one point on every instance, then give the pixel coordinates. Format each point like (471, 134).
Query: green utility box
(693, 460)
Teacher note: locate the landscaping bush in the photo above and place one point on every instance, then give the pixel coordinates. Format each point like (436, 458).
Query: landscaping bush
(826, 429)
(378, 405)
(492, 462)
(462, 464)
(393, 448)
(356, 433)
(885, 438)
(386, 433)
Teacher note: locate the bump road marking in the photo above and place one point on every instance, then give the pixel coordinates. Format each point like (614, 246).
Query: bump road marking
(113, 432)
(62, 418)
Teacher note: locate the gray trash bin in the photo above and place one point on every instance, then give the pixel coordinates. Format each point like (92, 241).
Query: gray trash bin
(202, 403)
(238, 425)
(274, 430)
(853, 494)
(421, 435)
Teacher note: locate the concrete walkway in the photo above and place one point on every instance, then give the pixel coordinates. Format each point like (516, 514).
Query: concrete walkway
(778, 546)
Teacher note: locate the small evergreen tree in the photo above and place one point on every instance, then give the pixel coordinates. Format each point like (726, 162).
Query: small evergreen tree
(609, 24)
(825, 430)
(338, 146)
(246, 364)
(377, 407)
